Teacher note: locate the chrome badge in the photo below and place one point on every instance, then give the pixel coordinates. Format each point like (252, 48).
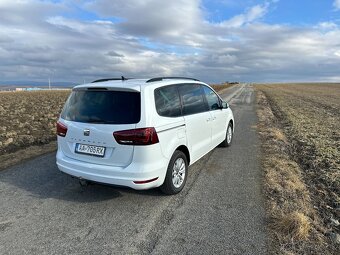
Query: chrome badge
(86, 132)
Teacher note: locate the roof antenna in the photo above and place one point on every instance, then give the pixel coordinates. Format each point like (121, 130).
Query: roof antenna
(123, 78)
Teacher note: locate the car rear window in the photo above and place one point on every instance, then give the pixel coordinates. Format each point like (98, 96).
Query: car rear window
(103, 107)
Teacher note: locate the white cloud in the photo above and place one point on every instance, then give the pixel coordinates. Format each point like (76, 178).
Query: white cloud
(336, 4)
(153, 38)
(151, 18)
(327, 25)
(253, 14)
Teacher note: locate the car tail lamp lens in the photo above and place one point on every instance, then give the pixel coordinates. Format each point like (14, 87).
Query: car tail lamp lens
(61, 129)
(139, 136)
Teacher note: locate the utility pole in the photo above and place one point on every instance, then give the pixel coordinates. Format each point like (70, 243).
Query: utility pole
(49, 83)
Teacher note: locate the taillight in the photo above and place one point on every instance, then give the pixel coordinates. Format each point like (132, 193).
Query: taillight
(139, 136)
(61, 129)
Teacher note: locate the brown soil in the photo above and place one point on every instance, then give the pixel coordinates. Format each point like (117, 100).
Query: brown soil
(28, 123)
(29, 118)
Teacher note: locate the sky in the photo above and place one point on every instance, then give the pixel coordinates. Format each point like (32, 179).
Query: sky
(214, 41)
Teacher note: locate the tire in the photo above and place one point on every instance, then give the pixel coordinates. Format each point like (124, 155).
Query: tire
(228, 137)
(176, 175)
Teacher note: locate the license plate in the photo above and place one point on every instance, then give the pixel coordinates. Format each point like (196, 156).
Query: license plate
(93, 150)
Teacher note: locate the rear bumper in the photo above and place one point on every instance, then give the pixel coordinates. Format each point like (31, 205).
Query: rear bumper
(116, 175)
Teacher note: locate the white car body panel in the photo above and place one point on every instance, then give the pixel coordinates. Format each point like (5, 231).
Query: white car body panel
(100, 135)
(198, 130)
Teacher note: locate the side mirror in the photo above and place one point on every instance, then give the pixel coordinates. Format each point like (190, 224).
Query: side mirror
(225, 105)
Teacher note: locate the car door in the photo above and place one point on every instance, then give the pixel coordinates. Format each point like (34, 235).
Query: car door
(197, 120)
(218, 117)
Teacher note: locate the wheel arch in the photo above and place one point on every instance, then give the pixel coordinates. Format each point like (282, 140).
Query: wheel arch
(185, 150)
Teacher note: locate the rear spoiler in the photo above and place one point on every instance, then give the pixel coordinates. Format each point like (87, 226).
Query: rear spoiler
(95, 88)
(122, 78)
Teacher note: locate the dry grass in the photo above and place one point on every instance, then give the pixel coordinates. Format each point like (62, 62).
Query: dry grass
(299, 129)
(219, 87)
(28, 119)
(294, 225)
(27, 153)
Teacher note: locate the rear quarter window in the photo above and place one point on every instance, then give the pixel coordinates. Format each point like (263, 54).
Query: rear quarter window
(103, 107)
(167, 101)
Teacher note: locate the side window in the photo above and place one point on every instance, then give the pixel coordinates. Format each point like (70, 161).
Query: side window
(212, 98)
(192, 98)
(167, 101)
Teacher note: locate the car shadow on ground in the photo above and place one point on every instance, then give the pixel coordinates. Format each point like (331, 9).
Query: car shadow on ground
(42, 179)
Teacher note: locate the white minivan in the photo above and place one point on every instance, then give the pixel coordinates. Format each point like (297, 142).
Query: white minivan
(141, 133)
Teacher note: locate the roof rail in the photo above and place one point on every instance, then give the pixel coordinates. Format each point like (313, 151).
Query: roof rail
(167, 78)
(112, 79)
